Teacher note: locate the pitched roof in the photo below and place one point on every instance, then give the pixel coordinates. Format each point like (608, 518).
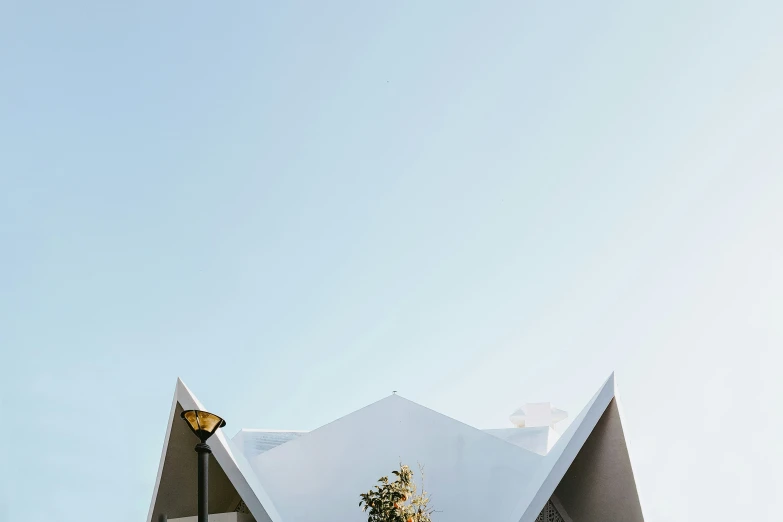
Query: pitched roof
(255, 442)
(472, 475)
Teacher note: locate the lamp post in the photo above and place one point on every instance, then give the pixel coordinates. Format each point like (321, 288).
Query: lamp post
(204, 425)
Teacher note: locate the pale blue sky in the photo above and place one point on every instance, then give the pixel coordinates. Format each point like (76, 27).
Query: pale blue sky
(299, 207)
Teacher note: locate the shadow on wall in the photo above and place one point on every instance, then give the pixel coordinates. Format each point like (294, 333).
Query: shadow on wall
(178, 490)
(599, 485)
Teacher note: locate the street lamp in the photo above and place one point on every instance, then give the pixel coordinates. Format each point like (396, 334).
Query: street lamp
(204, 425)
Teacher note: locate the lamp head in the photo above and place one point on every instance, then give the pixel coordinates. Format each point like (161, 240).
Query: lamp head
(202, 423)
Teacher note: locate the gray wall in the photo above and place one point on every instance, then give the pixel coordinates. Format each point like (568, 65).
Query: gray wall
(178, 490)
(599, 486)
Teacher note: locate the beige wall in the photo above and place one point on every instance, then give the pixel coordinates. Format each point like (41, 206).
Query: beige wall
(178, 490)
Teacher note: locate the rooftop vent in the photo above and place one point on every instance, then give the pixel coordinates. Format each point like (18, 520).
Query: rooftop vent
(537, 414)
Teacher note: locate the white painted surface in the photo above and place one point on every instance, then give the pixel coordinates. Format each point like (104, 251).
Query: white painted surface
(253, 442)
(538, 440)
(471, 474)
(498, 475)
(536, 414)
(217, 517)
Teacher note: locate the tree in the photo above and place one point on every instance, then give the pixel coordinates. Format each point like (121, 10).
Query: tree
(397, 501)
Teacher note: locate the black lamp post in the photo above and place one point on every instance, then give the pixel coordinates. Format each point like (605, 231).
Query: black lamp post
(204, 425)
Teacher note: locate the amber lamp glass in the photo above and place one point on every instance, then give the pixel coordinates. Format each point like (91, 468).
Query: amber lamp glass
(203, 423)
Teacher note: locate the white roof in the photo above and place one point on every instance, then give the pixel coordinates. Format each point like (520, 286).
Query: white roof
(253, 442)
(539, 439)
(536, 414)
(317, 476)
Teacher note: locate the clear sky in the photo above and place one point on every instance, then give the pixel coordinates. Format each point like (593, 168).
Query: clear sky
(300, 207)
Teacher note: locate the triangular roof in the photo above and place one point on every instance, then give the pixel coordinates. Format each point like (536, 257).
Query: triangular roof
(175, 485)
(336, 462)
(615, 493)
(472, 475)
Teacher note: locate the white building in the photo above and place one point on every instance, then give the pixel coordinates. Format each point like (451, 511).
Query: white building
(525, 473)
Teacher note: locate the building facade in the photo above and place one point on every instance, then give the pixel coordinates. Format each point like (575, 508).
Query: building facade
(527, 473)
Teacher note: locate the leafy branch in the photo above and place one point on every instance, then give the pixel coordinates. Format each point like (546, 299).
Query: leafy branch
(397, 500)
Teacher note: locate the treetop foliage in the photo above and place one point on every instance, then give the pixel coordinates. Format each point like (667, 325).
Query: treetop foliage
(397, 500)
